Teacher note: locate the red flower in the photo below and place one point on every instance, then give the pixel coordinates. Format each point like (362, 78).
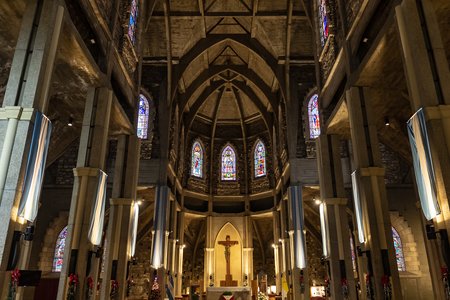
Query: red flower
(15, 275)
(73, 279)
(90, 282)
(384, 280)
(344, 282)
(444, 271)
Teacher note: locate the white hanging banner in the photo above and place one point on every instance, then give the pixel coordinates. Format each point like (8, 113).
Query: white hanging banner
(358, 209)
(160, 215)
(299, 245)
(133, 227)
(98, 211)
(324, 228)
(34, 173)
(423, 164)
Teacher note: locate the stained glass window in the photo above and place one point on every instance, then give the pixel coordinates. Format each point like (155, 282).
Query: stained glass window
(323, 21)
(352, 250)
(142, 126)
(228, 163)
(260, 159)
(132, 23)
(59, 251)
(313, 115)
(398, 250)
(197, 160)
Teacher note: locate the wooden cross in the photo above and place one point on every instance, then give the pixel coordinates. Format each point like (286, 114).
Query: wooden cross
(228, 244)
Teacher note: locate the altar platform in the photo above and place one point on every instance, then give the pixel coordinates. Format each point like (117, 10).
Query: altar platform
(239, 293)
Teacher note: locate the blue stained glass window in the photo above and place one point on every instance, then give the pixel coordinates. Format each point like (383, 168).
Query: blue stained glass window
(59, 251)
(260, 159)
(228, 163)
(398, 250)
(323, 21)
(132, 23)
(142, 124)
(197, 160)
(313, 115)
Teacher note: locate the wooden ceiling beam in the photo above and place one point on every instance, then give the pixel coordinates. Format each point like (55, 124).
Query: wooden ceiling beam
(166, 5)
(277, 14)
(238, 100)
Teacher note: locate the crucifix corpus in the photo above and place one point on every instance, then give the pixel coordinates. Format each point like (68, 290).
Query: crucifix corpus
(228, 277)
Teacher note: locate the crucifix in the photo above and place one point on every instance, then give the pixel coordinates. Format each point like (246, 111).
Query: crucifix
(227, 245)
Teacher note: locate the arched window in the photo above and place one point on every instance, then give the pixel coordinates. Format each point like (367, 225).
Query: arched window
(313, 116)
(228, 163)
(260, 159)
(132, 23)
(59, 251)
(398, 250)
(142, 126)
(323, 21)
(197, 160)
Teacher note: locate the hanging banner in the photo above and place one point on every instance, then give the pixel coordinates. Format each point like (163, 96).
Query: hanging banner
(34, 173)
(299, 248)
(324, 228)
(159, 218)
(358, 209)
(98, 211)
(134, 227)
(423, 164)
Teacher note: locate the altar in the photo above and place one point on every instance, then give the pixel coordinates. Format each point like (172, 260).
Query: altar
(239, 293)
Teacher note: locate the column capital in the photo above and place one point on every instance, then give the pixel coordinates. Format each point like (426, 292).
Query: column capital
(10, 112)
(85, 171)
(246, 249)
(372, 171)
(437, 112)
(121, 201)
(209, 249)
(335, 201)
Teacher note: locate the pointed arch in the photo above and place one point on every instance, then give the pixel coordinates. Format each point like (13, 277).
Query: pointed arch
(228, 167)
(313, 117)
(132, 22)
(197, 159)
(143, 112)
(259, 158)
(58, 258)
(399, 256)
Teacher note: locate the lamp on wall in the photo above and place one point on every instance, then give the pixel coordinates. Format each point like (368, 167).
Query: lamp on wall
(432, 234)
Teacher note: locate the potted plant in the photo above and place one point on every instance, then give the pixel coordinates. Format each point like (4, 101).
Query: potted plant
(227, 295)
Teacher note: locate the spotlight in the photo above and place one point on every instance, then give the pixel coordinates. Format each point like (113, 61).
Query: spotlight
(386, 121)
(70, 123)
(365, 40)
(139, 202)
(317, 201)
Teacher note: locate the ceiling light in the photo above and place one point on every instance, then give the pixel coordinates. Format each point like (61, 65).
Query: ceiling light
(365, 40)
(92, 41)
(70, 123)
(386, 121)
(317, 201)
(139, 202)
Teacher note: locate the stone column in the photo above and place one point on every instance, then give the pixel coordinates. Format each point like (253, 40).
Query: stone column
(379, 245)
(334, 206)
(427, 74)
(26, 91)
(247, 261)
(79, 255)
(209, 254)
(278, 255)
(179, 266)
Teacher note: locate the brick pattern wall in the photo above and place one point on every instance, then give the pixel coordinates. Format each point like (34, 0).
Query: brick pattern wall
(316, 270)
(351, 8)
(140, 272)
(397, 170)
(65, 165)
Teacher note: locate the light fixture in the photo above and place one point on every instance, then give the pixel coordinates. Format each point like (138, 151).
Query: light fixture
(317, 201)
(92, 41)
(365, 40)
(386, 121)
(139, 202)
(70, 123)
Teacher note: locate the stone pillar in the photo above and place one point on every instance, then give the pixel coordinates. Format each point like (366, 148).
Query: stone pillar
(26, 91)
(378, 244)
(278, 255)
(334, 204)
(79, 254)
(427, 74)
(247, 261)
(179, 267)
(210, 276)
(297, 238)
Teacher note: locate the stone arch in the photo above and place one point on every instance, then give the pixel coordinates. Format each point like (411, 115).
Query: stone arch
(408, 242)
(45, 262)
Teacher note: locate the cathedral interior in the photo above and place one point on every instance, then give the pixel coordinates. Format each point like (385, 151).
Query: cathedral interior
(224, 149)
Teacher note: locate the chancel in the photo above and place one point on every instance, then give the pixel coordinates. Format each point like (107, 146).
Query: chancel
(238, 149)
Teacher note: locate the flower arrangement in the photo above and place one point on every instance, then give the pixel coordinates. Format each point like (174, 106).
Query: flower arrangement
(90, 287)
(155, 293)
(262, 296)
(15, 276)
(227, 295)
(114, 289)
(73, 284)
